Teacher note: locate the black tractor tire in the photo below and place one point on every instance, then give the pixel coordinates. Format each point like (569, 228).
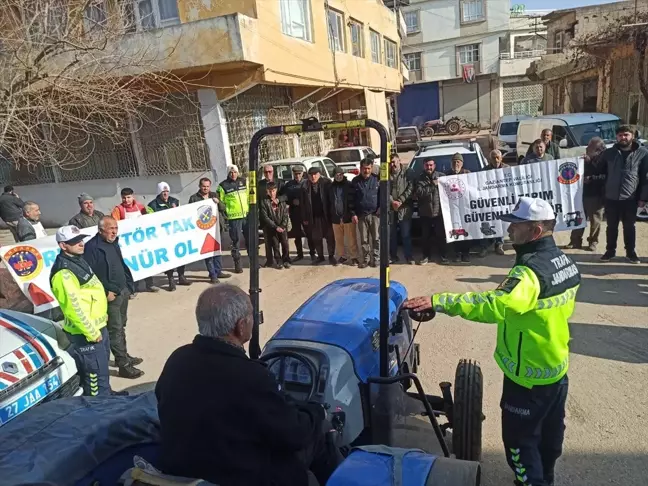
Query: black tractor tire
(467, 413)
(453, 127)
(428, 132)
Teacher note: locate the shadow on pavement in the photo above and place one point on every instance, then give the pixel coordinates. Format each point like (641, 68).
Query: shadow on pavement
(575, 469)
(617, 343)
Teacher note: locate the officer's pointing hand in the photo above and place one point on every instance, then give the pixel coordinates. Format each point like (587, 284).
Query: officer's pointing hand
(418, 304)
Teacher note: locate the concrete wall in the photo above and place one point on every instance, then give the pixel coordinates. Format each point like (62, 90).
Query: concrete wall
(460, 99)
(58, 202)
(289, 60)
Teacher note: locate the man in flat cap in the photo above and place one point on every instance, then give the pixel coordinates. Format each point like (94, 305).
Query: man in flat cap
(315, 216)
(293, 193)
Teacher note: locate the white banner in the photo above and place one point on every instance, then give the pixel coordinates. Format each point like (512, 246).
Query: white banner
(150, 245)
(472, 203)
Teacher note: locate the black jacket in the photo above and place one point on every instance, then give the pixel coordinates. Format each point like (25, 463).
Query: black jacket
(627, 179)
(158, 204)
(341, 201)
(593, 178)
(11, 207)
(224, 420)
(366, 195)
(271, 219)
(96, 256)
(292, 191)
(307, 204)
(24, 230)
(427, 192)
(401, 190)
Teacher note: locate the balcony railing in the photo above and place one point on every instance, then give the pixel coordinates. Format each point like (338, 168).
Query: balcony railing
(522, 54)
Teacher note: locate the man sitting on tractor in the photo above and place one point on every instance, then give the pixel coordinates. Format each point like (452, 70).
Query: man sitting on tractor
(531, 307)
(223, 418)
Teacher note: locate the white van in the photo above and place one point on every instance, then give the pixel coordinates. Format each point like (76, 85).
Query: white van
(505, 135)
(571, 131)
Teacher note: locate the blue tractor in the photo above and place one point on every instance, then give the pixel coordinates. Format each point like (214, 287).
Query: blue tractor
(350, 347)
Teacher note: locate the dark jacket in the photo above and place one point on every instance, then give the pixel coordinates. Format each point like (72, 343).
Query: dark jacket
(552, 149)
(240, 429)
(11, 207)
(532, 158)
(221, 207)
(271, 219)
(593, 178)
(307, 204)
(262, 188)
(341, 199)
(292, 191)
(24, 230)
(158, 204)
(625, 179)
(95, 254)
(82, 220)
(401, 189)
(366, 195)
(427, 192)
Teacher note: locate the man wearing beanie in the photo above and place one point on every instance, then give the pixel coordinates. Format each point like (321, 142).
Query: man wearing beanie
(88, 216)
(160, 203)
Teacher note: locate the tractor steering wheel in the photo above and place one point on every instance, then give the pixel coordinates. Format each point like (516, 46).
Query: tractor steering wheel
(281, 379)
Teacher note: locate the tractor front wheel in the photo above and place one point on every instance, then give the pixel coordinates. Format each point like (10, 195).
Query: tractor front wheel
(428, 132)
(453, 127)
(467, 413)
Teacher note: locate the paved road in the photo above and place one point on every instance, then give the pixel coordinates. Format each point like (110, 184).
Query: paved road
(607, 408)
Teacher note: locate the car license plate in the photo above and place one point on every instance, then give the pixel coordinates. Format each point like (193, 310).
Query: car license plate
(29, 399)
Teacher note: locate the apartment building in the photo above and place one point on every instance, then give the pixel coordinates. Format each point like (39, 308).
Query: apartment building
(257, 63)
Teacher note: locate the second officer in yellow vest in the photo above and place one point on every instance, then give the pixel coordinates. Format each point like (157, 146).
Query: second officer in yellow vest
(233, 193)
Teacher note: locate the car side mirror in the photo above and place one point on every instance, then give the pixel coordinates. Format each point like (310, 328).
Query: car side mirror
(637, 134)
(563, 143)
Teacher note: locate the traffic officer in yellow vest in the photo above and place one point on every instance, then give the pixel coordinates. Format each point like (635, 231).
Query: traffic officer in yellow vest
(531, 308)
(233, 193)
(85, 307)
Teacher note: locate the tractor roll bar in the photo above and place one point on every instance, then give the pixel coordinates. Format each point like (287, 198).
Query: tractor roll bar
(310, 125)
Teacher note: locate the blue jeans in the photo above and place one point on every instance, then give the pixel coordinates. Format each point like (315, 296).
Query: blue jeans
(405, 227)
(214, 266)
(236, 227)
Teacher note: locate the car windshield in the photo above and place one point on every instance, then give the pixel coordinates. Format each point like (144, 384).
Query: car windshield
(584, 133)
(341, 156)
(471, 163)
(509, 128)
(406, 132)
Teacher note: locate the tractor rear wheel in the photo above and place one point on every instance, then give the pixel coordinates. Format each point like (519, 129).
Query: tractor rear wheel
(467, 413)
(453, 127)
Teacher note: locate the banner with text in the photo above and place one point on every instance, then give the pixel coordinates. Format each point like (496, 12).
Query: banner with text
(473, 203)
(150, 245)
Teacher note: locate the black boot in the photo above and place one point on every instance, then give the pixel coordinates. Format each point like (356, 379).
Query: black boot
(237, 266)
(130, 372)
(172, 285)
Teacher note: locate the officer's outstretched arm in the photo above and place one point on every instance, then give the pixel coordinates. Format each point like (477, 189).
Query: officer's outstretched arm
(66, 287)
(518, 293)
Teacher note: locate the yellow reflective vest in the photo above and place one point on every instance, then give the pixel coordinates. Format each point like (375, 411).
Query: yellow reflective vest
(80, 295)
(531, 308)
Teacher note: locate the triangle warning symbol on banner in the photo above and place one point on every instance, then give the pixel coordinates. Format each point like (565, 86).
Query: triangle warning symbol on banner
(210, 245)
(39, 296)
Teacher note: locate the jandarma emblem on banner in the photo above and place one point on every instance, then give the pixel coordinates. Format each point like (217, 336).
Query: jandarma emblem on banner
(454, 188)
(26, 261)
(206, 217)
(568, 173)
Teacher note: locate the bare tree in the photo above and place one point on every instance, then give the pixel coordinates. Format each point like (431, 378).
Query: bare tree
(629, 30)
(72, 72)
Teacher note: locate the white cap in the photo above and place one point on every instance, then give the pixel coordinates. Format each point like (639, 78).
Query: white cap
(530, 209)
(70, 235)
(232, 168)
(163, 186)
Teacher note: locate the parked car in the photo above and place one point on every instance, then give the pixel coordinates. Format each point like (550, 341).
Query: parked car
(504, 136)
(349, 158)
(572, 131)
(407, 138)
(283, 167)
(34, 366)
